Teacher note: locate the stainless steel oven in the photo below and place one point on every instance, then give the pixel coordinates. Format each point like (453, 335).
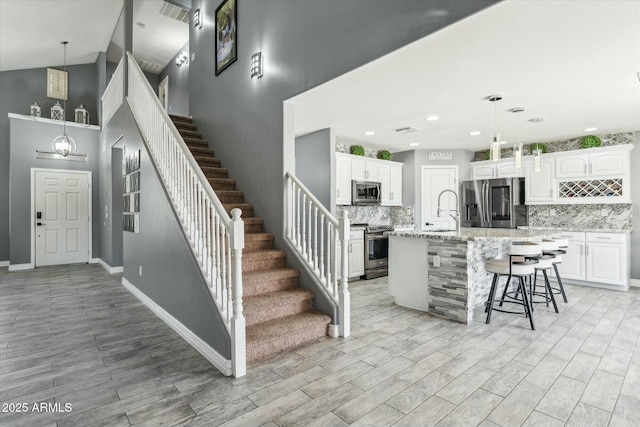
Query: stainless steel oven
(376, 246)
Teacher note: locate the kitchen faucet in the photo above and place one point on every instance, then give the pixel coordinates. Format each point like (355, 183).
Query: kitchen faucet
(456, 216)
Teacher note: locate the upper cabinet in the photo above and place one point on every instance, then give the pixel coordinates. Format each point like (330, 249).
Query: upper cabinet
(594, 175)
(607, 163)
(495, 169)
(357, 168)
(343, 179)
(365, 169)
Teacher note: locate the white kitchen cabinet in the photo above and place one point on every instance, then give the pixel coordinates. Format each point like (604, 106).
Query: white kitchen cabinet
(483, 171)
(601, 162)
(607, 255)
(365, 169)
(390, 175)
(600, 259)
(496, 169)
(343, 179)
(357, 168)
(356, 253)
(539, 186)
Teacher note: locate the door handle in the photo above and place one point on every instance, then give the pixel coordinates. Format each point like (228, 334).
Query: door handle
(40, 224)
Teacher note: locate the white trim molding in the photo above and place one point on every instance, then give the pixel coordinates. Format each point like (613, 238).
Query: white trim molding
(634, 282)
(19, 267)
(103, 263)
(215, 358)
(4, 263)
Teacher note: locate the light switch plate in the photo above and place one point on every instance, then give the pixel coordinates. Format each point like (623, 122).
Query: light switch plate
(436, 261)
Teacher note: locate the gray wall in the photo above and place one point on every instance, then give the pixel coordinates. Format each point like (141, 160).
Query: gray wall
(635, 196)
(170, 274)
(178, 85)
(304, 43)
(412, 173)
(19, 89)
(314, 152)
(26, 136)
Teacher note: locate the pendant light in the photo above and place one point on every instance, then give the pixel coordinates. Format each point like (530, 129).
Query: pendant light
(495, 148)
(537, 152)
(517, 147)
(63, 144)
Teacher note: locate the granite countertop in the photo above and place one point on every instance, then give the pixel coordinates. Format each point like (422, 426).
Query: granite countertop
(491, 234)
(588, 230)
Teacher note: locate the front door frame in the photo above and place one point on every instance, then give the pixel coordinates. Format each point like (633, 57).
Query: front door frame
(33, 208)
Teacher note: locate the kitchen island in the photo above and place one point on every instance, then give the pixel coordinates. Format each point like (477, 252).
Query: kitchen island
(443, 272)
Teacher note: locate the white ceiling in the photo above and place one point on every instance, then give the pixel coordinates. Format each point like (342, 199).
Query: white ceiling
(31, 32)
(573, 63)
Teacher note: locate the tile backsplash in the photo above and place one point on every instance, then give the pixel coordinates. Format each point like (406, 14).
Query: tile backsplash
(380, 215)
(618, 216)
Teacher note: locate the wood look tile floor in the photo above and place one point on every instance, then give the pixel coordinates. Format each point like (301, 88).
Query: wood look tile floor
(74, 335)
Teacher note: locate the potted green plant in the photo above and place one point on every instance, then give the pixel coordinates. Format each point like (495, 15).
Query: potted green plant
(537, 146)
(591, 141)
(384, 155)
(487, 155)
(357, 150)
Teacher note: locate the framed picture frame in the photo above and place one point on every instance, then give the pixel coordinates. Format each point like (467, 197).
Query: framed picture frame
(226, 35)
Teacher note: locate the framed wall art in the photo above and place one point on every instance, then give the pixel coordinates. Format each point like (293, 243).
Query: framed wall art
(226, 35)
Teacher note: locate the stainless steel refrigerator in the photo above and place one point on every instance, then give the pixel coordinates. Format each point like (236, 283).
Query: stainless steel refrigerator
(494, 203)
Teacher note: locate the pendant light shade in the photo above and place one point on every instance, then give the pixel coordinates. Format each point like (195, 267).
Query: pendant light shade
(537, 151)
(63, 144)
(495, 149)
(517, 147)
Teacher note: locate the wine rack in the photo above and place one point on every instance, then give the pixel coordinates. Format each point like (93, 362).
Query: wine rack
(595, 188)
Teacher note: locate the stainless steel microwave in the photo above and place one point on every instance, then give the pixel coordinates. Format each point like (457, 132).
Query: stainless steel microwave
(365, 193)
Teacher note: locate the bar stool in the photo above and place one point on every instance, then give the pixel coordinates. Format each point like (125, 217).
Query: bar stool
(520, 264)
(563, 244)
(545, 262)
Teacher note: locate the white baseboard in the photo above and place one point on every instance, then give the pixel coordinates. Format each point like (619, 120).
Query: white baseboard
(215, 358)
(110, 270)
(634, 282)
(4, 263)
(18, 267)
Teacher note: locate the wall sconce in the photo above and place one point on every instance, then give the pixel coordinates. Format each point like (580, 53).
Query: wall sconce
(256, 65)
(182, 58)
(197, 19)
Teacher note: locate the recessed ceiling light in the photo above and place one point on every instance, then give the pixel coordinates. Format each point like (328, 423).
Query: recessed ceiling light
(369, 133)
(414, 144)
(474, 133)
(432, 118)
(590, 129)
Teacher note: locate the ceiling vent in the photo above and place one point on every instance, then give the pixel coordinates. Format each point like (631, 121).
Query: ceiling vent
(174, 12)
(150, 67)
(407, 129)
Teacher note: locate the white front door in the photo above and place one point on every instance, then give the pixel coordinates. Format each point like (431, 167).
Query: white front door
(436, 179)
(62, 217)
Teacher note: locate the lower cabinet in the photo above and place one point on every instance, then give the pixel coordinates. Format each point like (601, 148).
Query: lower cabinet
(598, 258)
(356, 256)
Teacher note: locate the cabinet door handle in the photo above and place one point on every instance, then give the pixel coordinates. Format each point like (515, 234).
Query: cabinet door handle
(551, 193)
(603, 238)
(587, 248)
(581, 250)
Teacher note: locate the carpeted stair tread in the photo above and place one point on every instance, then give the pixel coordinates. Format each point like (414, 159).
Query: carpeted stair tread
(257, 241)
(175, 118)
(213, 172)
(271, 274)
(222, 183)
(257, 236)
(274, 305)
(208, 161)
(263, 254)
(230, 196)
(272, 280)
(185, 126)
(196, 142)
(191, 134)
(274, 336)
(201, 151)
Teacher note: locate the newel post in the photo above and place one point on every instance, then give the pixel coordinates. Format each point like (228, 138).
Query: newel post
(344, 296)
(238, 329)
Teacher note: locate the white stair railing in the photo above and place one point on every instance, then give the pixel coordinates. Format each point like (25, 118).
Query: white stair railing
(113, 94)
(216, 240)
(321, 241)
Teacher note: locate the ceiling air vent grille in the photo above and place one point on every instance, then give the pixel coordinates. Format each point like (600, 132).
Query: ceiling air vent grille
(175, 12)
(406, 129)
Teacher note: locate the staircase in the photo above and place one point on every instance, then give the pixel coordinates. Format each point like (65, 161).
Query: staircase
(279, 315)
